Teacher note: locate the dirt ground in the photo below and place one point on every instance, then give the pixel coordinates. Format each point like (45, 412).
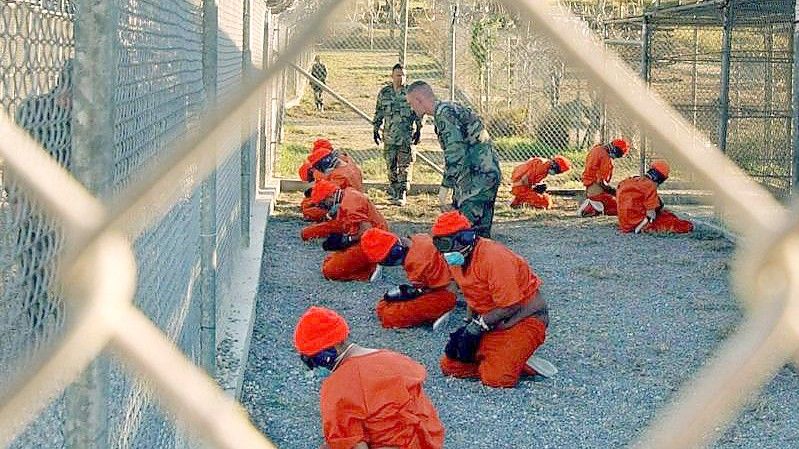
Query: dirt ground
(632, 317)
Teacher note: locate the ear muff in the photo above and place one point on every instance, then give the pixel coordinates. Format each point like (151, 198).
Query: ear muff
(396, 255)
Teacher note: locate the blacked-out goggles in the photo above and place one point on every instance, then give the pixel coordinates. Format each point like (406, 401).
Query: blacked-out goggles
(455, 242)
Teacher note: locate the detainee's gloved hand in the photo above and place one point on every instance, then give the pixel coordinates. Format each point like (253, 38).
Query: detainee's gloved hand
(540, 188)
(462, 345)
(337, 242)
(403, 292)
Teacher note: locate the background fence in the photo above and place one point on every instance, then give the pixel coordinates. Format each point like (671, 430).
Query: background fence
(535, 104)
(165, 60)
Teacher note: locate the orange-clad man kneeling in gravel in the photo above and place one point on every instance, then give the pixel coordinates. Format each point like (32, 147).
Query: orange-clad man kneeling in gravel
(326, 163)
(600, 196)
(350, 214)
(427, 299)
(640, 206)
(503, 291)
(373, 398)
(528, 188)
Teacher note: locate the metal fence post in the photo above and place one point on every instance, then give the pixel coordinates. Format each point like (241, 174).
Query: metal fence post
(646, 38)
(795, 102)
(95, 77)
(724, 96)
(453, 56)
(403, 50)
(208, 237)
(263, 152)
(246, 129)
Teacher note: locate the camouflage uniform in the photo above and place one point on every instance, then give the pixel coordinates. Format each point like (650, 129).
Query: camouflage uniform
(319, 71)
(393, 108)
(472, 165)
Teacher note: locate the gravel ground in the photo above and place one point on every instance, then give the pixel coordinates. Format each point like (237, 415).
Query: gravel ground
(631, 318)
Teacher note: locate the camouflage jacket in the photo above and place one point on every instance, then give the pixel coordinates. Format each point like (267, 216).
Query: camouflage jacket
(393, 108)
(319, 71)
(471, 162)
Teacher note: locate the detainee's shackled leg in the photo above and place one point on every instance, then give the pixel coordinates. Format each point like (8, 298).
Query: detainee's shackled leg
(525, 196)
(350, 264)
(415, 312)
(666, 221)
(601, 204)
(502, 355)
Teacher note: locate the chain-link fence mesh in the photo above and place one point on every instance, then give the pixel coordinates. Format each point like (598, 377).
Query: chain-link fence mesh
(686, 59)
(534, 104)
(158, 95)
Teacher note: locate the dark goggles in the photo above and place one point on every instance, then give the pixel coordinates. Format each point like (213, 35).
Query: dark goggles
(395, 256)
(326, 162)
(325, 358)
(656, 176)
(455, 242)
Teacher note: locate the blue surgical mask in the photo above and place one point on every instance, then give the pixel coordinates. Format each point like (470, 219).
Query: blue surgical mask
(455, 258)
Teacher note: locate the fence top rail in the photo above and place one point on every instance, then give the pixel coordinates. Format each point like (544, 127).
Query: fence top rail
(710, 11)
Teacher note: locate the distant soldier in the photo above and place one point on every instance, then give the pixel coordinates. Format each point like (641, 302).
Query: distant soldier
(319, 71)
(393, 112)
(472, 174)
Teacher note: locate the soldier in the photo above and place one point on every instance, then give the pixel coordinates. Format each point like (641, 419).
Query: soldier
(319, 71)
(398, 133)
(472, 174)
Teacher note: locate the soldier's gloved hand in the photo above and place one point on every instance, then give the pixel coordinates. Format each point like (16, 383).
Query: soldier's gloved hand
(376, 136)
(417, 136)
(307, 192)
(462, 345)
(337, 242)
(540, 188)
(403, 292)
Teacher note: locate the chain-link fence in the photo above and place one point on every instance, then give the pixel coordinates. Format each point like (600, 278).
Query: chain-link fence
(166, 60)
(727, 68)
(534, 104)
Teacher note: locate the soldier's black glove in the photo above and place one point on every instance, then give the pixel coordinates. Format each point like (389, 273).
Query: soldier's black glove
(417, 136)
(337, 242)
(376, 136)
(308, 192)
(540, 188)
(403, 292)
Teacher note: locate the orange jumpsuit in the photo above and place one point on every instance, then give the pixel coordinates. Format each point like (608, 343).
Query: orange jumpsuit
(425, 267)
(637, 195)
(377, 398)
(350, 264)
(526, 175)
(346, 175)
(599, 167)
(496, 277)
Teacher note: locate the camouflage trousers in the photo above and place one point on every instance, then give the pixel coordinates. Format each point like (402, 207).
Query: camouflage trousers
(399, 165)
(479, 209)
(317, 97)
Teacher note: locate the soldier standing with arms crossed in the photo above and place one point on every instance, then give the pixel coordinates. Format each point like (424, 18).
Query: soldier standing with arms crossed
(397, 118)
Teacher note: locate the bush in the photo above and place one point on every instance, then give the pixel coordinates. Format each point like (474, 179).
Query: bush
(508, 123)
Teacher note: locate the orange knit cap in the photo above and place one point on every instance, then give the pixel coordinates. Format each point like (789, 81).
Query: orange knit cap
(377, 243)
(661, 167)
(319, 328)
(322, 144)
(622, 145)
(321, 190)
(318, 154)
(449, 223)
(305, 172)
(563, 164)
